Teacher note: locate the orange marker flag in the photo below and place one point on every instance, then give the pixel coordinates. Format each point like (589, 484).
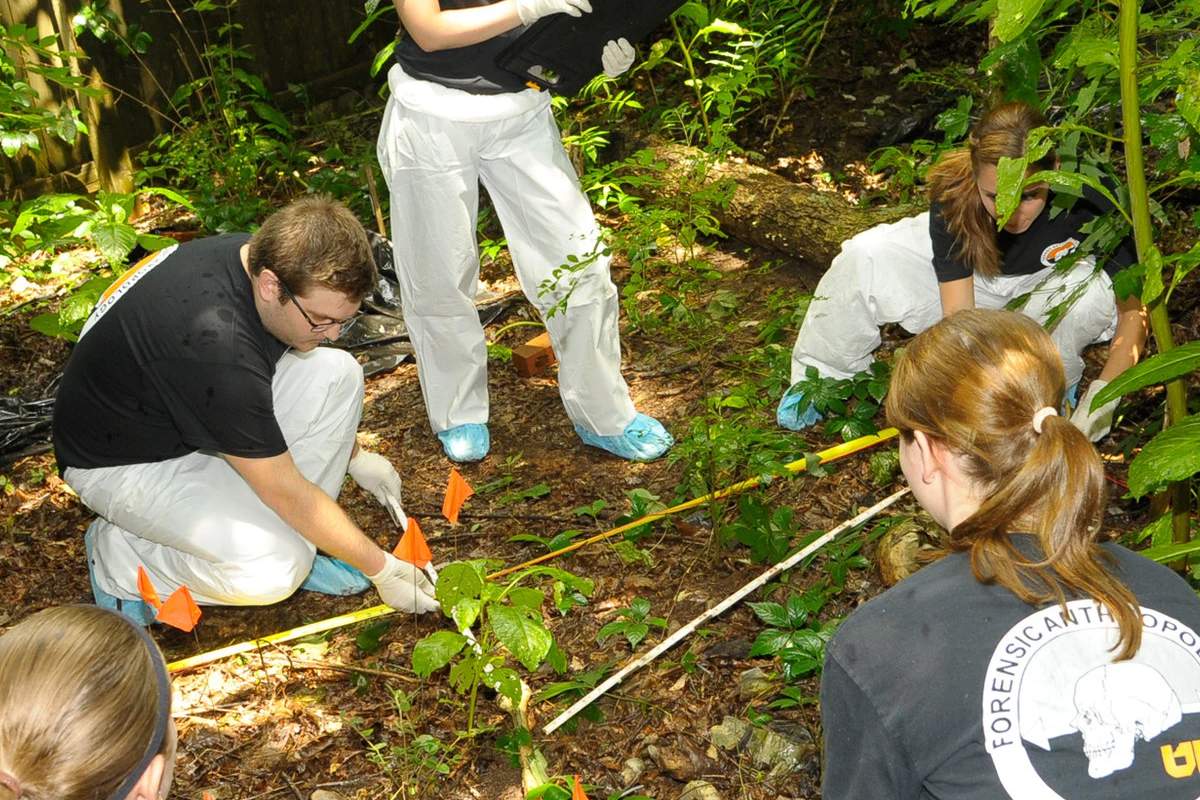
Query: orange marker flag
(577, 790)
(146, 589)
(180, 610)
(412, 547)
(457, 492)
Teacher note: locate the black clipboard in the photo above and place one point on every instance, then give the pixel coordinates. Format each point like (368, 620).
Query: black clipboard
(561, 53)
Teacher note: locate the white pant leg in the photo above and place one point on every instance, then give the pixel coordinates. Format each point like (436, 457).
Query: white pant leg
(430, 167)
(1077, 306)
(547, 219)
(882, 275)
(193, 520)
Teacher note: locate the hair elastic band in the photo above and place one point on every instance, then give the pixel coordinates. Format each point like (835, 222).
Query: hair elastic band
(11, 783)
(1040, 416)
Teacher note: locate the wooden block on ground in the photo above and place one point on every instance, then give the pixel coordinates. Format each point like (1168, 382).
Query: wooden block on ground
(535, 357)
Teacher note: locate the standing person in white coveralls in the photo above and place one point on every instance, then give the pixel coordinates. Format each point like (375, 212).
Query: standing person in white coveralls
(455, 119)
(918, 270)
(201, 421)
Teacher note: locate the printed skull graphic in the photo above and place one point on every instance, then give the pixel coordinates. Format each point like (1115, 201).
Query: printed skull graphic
(1116, 705)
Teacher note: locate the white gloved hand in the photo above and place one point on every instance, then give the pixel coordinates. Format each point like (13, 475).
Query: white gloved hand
(404, 587)
(530, 11)
(617, 57)
(375, 474)
(1094, 424)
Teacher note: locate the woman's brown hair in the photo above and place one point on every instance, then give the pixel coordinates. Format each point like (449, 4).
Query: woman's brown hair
(974, 382)
(79, 704)
(1001, 133)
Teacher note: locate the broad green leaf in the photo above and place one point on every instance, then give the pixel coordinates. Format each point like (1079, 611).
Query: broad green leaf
(722, 26)
(635, 632)
(369, 638)
(1152, 286)
(1010, 176)
(1161, 368)
(115, 240)
(1158, 532)
(1172, 455)
(639, 608)
(467, 670)
(435, 651)
(1014, 16)
(771, 613)
(170, 194)
(611, 629)
(527, 640)
(271, 115)
(456, 581)
(49, 325)
(383, 58)
(505, 681)
(465, 612)
(526, 597)
(1187, 98)
(1170, 552)
(696, 12)
(150, 242)
(770, 642)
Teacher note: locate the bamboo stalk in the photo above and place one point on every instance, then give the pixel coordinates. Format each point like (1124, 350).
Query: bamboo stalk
(719, 608)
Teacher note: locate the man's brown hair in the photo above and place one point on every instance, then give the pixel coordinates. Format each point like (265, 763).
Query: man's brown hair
(315, 241)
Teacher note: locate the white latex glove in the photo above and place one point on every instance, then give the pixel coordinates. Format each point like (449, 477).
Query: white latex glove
(1094, 424)
(375, 474)
(404, 587)
(530, 11)
(617, 57)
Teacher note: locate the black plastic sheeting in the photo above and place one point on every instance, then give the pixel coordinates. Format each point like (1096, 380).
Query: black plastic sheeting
(379, 341)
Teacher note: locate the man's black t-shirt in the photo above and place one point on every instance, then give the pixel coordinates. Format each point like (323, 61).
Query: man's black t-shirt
(471, 68)
(947, 687)
(174, 359)
(1048, 240)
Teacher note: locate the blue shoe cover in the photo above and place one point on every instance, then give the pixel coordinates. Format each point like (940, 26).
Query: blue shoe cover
(1072, 397)
(331, 576)
(644, 439)
(795, 413)
(135, 610)
(469, 442)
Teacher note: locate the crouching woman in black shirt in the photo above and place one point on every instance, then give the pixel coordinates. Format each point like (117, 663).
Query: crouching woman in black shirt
(1033, 661)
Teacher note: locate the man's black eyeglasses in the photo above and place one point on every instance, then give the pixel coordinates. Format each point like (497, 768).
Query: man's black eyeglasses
(343, 324)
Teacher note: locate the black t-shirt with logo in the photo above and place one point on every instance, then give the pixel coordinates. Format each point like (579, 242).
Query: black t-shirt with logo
(174, 359)
(944, 687)
(471, 68)
(1053, 235)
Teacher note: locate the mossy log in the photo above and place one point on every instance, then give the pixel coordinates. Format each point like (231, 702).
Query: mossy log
(769, 210)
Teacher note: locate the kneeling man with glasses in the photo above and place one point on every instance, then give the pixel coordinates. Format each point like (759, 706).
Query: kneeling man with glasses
(201, 421)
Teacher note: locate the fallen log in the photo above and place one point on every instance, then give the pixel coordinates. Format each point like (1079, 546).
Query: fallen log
(766, 209)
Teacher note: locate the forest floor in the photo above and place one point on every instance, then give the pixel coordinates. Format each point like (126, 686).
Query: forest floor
(290, 719)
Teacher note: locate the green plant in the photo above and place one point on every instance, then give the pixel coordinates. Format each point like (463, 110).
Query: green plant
(642, 502)
(768, 533)
(794, 634)
(572, 689)
(229, 140)
(510, 624)
(552, 543)
(634, 624)
(24, 117)
(411, 761)
(848, 404)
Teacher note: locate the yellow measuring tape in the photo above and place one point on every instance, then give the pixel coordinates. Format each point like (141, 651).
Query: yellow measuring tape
(362, 615)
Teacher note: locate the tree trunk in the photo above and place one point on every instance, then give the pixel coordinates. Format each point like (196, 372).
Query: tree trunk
(771, 211)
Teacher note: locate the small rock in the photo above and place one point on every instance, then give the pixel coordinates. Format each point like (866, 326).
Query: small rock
(632, 771)
(730, 734)
(681, 764)
(754, 683)
(699, 790)
(325, 794)
(777, 752)
(735, 649)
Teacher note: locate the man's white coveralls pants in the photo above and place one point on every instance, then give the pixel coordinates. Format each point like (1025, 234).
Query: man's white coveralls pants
(885, 275)
(435, 146)
(193, 520)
